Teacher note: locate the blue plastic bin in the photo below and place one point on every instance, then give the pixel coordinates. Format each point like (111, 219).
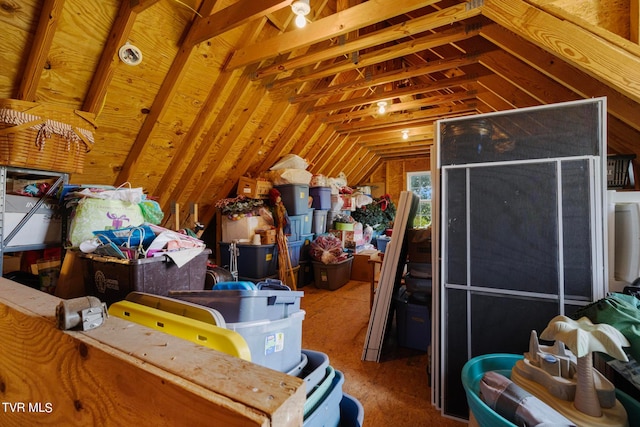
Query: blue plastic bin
(351, 412)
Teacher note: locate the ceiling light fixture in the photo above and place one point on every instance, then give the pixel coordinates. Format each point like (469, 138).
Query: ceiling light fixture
(301, 8)
(382, 107)
(405, 134)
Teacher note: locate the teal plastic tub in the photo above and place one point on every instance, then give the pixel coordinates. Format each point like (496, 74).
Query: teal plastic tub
(474, 370)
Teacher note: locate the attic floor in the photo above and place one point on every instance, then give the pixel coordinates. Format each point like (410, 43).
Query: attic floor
(394, 392)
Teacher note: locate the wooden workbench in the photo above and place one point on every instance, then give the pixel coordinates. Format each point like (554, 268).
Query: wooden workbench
(125, 374)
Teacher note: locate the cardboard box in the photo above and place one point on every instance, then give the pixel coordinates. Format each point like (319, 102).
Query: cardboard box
(241, 229)
(419, 244)
(44, 226)
(11, 262)
(361, 267)
(267, 237)
(254, 188)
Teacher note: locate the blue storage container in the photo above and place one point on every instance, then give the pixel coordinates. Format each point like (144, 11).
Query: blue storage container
(305, 254)
(307, 222)
(253, 260)
(351, 412)
(295, 197)
(296, 227)
(321, 197)
(413, 322)
(319, 225)
(246, 305)
(295, 249)
(327, 413)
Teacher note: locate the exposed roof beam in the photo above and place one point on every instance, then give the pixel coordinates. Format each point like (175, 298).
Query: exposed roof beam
(390, 76)
(49, 16)
(381, 55)
(334, 25)
(410, 91)
(607, 63)
(395, 32)
(407, 119)
(415, 104)
(230, 17)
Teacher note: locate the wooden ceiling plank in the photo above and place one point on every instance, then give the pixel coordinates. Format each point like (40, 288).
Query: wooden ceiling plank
(95, 97)
(323, 155)
(332, 26)
(364, 169)
(507, 91)
(49, 17)
(138, 6)
(399, 31)
(527, 79)
(166, 92)
(178, 166)
(385, 54)
(595, 56)
(356, 155)
(617, 104)
(239, 13)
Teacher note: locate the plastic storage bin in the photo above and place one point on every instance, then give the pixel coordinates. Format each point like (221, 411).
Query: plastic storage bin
(315, 369)
(321, 197)
(305, 248)
(275, 344)
(295, 249)
(295, 197)
(305, 274)
(111, 279)
(307, 223)
(413, 323)
(253, 260)
(327, 413)
(382, 242)
(319, 225)
(245, 305)
(351, 411)
(332, 276)
(296, 227)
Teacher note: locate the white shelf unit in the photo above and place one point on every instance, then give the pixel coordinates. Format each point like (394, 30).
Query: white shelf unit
(7, 172)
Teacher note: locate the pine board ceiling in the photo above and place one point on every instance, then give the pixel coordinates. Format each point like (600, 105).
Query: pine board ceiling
(225, 88)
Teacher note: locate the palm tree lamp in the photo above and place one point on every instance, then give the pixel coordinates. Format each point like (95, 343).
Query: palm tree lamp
(565, 378)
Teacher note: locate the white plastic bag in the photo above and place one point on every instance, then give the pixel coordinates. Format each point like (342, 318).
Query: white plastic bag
(290, 161)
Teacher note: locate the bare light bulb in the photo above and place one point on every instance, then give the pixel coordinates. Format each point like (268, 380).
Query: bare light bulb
(301, 21)
(382, 107)
(301, 8)
(405, 134)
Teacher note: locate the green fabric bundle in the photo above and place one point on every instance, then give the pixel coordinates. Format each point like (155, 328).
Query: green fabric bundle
(621, 311)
